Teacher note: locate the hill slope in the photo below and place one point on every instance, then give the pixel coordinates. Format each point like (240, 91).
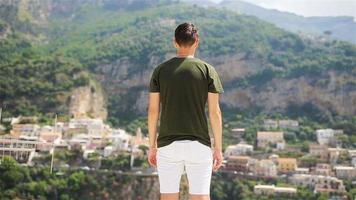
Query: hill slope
(263, 68)
(341, 28)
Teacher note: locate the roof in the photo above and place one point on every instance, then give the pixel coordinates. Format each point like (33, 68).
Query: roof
(287, 159)
(269, 134)
(276, 189)
(239, 157)
(344, 168)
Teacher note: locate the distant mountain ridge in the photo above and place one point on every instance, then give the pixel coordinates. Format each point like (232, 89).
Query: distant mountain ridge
(340, 27)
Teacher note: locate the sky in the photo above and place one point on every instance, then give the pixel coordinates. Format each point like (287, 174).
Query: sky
(310, 7)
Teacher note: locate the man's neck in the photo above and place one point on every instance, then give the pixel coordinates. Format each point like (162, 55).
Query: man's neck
(185, 54)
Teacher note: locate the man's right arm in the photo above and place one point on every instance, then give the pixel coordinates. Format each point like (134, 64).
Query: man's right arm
(215, 119)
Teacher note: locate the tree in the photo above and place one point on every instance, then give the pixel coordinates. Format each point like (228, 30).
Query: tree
(10, 174)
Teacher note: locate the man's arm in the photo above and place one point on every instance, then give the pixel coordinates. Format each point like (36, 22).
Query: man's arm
(153, 114)
(215, 119)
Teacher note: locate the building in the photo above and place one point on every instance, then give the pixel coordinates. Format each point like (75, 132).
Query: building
(238, 149)
(264, 138)
(353, 161)
(320, 151)
(280, 145)
(345, 172)
(288, 124)
(2, 129)
(274, 158)
(138, 139)
(270, 124)
(120, 139)
(302, 170)
(108, 151)
(282, 124)
(265, 167)
(85, 141)
(20, 149)
(328, 136)
(323, 169)
(273, 190)
(287, 165)
(334, 153)
(91, 126)
(319, 183)
(238, 163)
(49, 134)
(237, 132)
(352, 154)
(26, 131)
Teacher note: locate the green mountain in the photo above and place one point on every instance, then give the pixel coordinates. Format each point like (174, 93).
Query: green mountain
(54, 46)
(336, 27)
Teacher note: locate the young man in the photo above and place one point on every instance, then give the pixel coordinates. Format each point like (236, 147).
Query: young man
(183, 85)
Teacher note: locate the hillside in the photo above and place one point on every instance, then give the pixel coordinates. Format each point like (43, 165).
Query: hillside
(264, 69)
(341, 28)
(338, 27)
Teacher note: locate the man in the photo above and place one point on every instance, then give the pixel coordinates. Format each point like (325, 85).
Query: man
(183, 85)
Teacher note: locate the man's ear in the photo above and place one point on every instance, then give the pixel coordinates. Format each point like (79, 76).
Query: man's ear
(197, 43)
(175, 44)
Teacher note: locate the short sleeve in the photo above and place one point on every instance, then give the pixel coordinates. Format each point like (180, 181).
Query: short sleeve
(154, 82)
(214, 83)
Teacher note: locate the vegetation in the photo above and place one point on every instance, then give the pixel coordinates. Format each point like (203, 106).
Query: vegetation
(37, 183)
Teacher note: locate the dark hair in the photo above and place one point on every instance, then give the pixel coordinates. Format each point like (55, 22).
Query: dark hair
(186, 34)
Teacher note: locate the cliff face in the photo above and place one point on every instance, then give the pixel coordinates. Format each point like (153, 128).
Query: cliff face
(280, 94)
(87, 101)
(335, 94)
(331, 91)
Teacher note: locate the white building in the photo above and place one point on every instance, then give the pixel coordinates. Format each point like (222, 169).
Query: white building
(120, 139)
(87, 152)
(327, 136)
(281, 145)
(108, 150)
(300, 170)
(238, 149)
(237, 132)
(319, 183)
(345, 172)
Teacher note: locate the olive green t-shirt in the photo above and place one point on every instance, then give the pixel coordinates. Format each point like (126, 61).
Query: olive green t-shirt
(183, 84)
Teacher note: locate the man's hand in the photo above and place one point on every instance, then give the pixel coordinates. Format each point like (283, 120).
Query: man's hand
(152, 156)
(217, 159)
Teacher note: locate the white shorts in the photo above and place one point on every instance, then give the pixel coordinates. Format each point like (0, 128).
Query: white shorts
(193, 156)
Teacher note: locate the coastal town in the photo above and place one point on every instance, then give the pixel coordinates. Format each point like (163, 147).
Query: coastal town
(322, 166)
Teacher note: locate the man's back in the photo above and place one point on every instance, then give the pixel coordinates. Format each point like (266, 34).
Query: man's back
(179, 89)
(184, 83)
